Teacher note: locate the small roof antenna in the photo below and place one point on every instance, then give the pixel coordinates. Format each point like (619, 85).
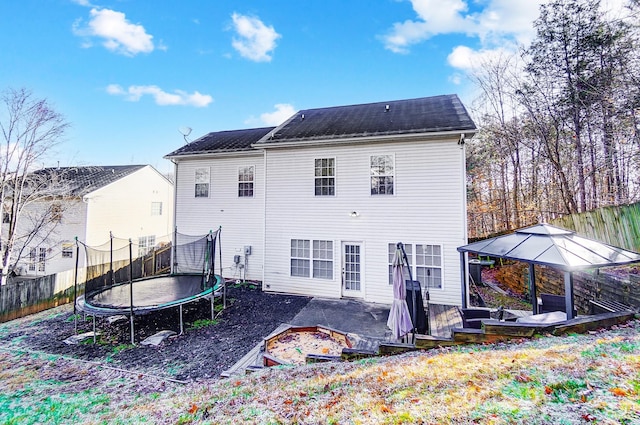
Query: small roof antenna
(185, 131)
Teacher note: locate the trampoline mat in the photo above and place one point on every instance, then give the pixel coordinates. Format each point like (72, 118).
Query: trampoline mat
(150, 292)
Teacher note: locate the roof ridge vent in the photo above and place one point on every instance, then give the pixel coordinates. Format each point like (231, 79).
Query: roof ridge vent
(301, 117)
(386, 108)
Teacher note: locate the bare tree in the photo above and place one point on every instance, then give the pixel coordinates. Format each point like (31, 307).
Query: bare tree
(31, 129)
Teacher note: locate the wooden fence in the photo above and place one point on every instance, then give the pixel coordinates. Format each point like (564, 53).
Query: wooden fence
(617, 226)
(18, 299)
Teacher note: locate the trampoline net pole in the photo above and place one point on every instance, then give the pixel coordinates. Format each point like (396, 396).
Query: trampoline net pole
(131, 290)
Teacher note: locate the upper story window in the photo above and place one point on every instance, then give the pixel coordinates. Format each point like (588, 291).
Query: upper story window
(245, 181)
(325, 177)
(156, 208)
(382, 174)
(202, 180)
(56, 213)
(67, 249)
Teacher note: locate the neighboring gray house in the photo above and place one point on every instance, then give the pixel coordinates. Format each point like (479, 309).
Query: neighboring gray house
(316, 205)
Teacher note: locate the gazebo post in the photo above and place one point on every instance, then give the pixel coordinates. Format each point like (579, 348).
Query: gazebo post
(463, 278)
(568, 293)
(532, 288)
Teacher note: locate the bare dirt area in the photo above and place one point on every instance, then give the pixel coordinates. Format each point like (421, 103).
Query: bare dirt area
(201, 353)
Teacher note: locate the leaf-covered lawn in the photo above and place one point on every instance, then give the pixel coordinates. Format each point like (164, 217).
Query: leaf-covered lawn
(575, 379)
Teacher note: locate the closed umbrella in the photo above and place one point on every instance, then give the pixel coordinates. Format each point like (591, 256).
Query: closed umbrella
(399, 317)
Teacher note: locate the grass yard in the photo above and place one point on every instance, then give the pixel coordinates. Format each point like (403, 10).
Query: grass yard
(573, 379)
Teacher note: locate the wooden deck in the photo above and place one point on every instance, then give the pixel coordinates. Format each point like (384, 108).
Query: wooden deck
(443, 318)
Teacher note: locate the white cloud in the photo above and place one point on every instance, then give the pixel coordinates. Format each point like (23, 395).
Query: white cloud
(116, 32)
(85, 3)
(254, 40)
(500, 21)
(161, 97)
(281, 114)
(465, 58)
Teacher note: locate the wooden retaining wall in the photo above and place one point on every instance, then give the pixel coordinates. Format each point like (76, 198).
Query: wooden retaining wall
(588, 285)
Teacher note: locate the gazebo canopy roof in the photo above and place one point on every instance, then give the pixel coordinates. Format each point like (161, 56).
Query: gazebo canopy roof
(552, 246)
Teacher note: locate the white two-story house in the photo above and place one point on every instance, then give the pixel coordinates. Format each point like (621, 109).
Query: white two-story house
(316, 205)
(96, 202)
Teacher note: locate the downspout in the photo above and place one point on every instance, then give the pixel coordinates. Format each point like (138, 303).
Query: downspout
(264, 217)
(175, 214)
(464, 256)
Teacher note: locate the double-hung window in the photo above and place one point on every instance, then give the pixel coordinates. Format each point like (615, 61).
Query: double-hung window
(429, 265)
(312, 258)
(245, 181)
(325, 177)
(425, 262)
(382, 175)
(202, 180)
(42, 259)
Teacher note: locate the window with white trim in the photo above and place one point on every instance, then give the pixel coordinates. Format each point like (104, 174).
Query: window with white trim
(325, 177)
(323, 259)
(312, 258)
(382, 175)
(425, 263)
(392, 252)
(67, 249)
(300, 258)
(146, 244)
(202, 180)
(429, 265)
(32, 260)
(245, 181)
(156, 208)
(42, 259)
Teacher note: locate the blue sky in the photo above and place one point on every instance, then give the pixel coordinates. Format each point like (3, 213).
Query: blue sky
(128, 74)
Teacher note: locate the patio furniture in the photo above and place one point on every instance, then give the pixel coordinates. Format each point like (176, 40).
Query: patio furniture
(552, 303)
(473, 317)
(544, 318)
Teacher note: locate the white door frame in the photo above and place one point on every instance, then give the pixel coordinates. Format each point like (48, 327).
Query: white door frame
(352, 269)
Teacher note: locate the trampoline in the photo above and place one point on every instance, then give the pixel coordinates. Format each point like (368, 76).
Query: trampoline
(113, 288)
(150, 294)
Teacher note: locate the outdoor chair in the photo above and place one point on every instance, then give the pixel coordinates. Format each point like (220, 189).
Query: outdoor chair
(552, 302)
(473, 317)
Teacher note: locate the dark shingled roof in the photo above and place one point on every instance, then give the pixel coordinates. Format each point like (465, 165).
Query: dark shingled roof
(82, 180)
(411, 116)
(223, 141)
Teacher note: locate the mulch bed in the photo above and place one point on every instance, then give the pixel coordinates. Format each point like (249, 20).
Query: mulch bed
(199, 354)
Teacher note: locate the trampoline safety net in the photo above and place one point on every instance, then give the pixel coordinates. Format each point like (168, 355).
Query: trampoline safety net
(121, 260)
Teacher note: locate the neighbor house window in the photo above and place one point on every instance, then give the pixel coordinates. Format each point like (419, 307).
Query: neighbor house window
(42, 258)
(145, 244)
(429, 265)
(245, 181)
(32, 259)
(56, 213)
(156, 208)
(67, 250)
(323, 259)
(325, 177)
(382, 173)
(300, 258)
(202, 182)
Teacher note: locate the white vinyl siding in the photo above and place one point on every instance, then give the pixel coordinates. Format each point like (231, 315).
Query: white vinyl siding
(241, 218)
(427, 207)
